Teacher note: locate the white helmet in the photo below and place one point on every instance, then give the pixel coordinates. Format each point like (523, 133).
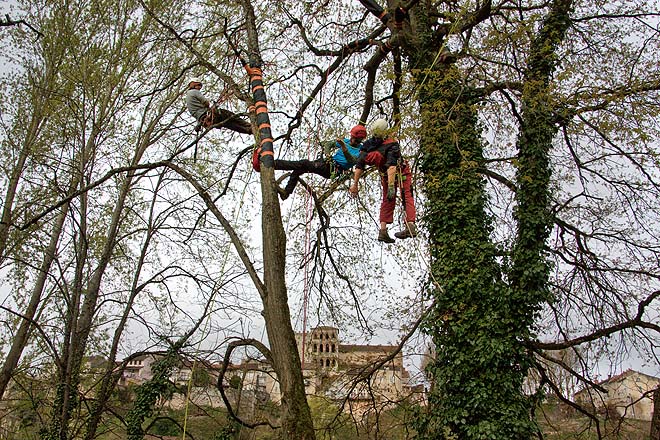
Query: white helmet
(379, 128)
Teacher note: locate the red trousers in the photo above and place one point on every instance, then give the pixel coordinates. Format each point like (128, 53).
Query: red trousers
(403, 181)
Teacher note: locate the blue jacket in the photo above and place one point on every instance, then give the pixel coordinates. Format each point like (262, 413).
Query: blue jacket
(342, 161)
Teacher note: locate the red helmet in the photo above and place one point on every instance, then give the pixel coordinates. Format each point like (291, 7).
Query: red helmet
(359, 132)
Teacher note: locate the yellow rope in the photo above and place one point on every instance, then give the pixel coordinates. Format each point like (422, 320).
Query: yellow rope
(207, 321)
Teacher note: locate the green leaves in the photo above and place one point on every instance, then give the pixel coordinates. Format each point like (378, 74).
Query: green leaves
(149, 393)
(476, 392)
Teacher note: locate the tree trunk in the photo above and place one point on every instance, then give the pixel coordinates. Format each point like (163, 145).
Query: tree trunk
(20, 338)
(110, 377)
(66, 396)
(296, 417)
(655, 420)
(84, 307)
(479, 321)
(476, 391)
(8, 204)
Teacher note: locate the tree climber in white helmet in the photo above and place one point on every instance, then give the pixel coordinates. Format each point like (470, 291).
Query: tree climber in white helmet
(384, 152)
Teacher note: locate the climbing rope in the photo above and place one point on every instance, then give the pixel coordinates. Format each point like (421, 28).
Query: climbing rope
(309, 214)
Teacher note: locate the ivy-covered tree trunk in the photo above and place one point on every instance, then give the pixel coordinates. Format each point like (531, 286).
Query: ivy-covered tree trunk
(149, 393)
(477, 374)
(481, 320)
(529, 269)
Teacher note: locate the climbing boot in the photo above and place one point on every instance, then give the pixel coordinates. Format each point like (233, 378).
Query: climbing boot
(384, 236)
(409, 230)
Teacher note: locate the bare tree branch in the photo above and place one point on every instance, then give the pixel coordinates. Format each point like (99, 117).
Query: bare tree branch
(9, 22)
(225, 364)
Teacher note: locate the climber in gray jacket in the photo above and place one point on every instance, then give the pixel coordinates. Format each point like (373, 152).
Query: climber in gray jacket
(211, 116)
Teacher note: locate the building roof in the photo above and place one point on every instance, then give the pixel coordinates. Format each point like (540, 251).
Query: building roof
(625, 374)
(144, 356)
(250, 364)
(324, 327)
(618, 378)
(199, 364)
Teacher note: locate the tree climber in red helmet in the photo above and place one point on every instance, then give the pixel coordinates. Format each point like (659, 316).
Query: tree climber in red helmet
(345, 156)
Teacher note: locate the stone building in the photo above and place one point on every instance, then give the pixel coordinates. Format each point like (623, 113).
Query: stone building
(356, 375)
(629, 394)
(343, 372)
(138, 369)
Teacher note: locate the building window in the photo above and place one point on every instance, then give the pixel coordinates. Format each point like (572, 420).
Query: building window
(315, 348)
(327, 362)
(333, 348)
(321, 348)
(327, 348)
